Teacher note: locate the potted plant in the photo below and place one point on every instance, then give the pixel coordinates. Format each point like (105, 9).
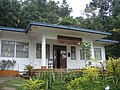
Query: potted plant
(29, 69)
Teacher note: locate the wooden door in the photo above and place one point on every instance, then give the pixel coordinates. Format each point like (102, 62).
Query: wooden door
(59, 57)
(63, 58)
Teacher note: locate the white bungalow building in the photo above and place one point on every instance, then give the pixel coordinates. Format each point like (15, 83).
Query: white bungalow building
(50, 45)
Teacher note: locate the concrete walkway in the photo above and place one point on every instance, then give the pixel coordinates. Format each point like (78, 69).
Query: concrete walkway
(8, 88)
(3, 79)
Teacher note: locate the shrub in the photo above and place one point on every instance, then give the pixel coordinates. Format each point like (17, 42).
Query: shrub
(91, 73)
(88, 81)
(7, 64)
(29, 68)
(34, 84)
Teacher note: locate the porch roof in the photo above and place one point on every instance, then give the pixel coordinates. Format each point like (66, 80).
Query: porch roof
(65, 27)
(13, 29)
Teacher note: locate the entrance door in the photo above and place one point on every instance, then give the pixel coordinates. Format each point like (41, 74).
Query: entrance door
(60, 57)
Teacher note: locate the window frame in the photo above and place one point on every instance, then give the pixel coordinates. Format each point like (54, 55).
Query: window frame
(14, 48)
(39, 57)
(97, 54)
(73, 58)
(27, 51)
(47, 48)
(82, 54)
(13, 51)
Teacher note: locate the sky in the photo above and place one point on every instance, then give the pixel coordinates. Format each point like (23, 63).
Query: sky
(78, 6)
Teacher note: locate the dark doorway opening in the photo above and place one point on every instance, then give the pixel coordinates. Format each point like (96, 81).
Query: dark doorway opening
(58, 58)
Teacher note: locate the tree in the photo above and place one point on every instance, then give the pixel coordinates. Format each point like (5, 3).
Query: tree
(9, 13)
(65, 10)
(16, 13)
(69, 21)
(107, 19)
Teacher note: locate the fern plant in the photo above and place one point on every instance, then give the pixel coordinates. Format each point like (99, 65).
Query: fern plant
(34, 84)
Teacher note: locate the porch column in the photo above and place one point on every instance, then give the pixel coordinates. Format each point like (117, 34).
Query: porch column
(92, 51)
(43, 52)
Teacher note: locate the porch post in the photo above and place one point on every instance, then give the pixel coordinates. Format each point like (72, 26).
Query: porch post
(43, 66)
(92, 50)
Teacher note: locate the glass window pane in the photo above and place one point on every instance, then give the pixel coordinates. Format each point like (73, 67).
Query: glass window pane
(22, 49)
(39, 51)
(7, 48)
(97, 52)
(83, 55)
(48, 51)
(73, 53)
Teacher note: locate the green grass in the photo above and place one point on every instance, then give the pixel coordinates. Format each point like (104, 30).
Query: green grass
(13, 80)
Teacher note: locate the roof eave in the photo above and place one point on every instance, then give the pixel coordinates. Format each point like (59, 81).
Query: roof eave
(12, 29)
(65, 27)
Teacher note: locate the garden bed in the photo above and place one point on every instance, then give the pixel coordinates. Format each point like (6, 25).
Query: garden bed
(9, 73)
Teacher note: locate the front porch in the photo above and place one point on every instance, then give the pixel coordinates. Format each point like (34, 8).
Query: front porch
(58, 54)
(58, 48)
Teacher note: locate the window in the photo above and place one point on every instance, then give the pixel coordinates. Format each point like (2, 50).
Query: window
(47, 51)
(7, 48)
(73, 53)
(22, 49)
(82, 54)
(97, 52)
(39, 51)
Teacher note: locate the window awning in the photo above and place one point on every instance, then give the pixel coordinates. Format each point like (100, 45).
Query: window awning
(107, 41)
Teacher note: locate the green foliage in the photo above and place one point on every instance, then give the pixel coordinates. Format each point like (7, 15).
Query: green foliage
(113, 65)
(65, 10)
(53, 81)
(92, 79)
(106, 19)
(29, 68)
(74, 84)
(58, 80)
(113, 50)
(17, 13)
(84, 83)
(11, 81)
(7, 64)
(88, 78)
(113, 69)
(34, 84)
(69, 21)
(91, 73)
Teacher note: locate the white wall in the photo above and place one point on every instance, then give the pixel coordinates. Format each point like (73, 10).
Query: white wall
(97, 62)
(14, 36)
(51, 39)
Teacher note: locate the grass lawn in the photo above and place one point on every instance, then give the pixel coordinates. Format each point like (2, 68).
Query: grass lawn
(11, 82)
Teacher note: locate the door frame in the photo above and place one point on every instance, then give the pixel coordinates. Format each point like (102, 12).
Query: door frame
(55, 48)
